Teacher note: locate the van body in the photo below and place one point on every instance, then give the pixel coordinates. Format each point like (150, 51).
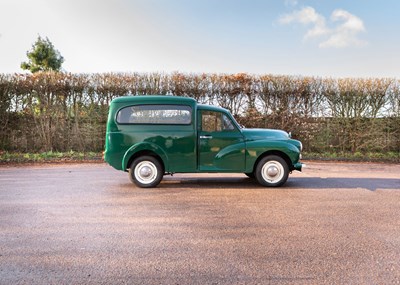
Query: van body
(149, 136)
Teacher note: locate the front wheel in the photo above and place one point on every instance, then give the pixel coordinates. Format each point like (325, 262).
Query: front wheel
(146, 171)
(272, 171)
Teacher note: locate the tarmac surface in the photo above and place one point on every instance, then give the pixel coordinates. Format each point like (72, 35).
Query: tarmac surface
(334, 223)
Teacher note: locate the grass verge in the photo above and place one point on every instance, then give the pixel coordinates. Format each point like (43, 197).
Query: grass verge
(392, 157)
(50, 156)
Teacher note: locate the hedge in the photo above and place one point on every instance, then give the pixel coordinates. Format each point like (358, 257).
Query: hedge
(64, 111)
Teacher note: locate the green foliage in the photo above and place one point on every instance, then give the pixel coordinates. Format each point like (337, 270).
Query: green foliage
(43, 57)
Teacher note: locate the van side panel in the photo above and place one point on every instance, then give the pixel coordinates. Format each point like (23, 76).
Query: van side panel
(174, 144)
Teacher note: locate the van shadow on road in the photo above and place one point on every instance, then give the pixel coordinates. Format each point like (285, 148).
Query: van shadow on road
(371, 184)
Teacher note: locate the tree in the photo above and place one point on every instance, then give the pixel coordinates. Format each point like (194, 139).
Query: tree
(43, 57)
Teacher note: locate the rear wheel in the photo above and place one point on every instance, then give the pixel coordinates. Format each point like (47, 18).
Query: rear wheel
(146, 171)
(272, 171)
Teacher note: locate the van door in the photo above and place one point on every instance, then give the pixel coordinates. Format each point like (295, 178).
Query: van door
(221, 144)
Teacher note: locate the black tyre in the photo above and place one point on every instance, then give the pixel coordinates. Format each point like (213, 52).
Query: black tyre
(272, 171)
(146, 171)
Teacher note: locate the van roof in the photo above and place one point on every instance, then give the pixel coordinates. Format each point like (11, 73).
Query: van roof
(154, 99)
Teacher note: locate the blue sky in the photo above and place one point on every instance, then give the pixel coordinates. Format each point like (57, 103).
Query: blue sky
(328, 38)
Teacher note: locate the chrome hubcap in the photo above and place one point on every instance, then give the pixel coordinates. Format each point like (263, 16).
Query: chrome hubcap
(145, 171)
(272, 171)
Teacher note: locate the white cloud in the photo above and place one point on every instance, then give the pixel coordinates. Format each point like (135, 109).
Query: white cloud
(344, 33)
(307, 16)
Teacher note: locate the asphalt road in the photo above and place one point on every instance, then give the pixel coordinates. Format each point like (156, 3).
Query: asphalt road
(87, 224)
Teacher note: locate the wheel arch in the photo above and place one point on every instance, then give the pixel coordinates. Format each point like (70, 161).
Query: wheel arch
(145, 153)
(141, 150)
(277, 153)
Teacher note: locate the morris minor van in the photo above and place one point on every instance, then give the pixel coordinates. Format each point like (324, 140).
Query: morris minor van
(150, 136)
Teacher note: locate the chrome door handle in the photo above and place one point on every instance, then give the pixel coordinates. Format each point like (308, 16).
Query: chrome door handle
(206, 137)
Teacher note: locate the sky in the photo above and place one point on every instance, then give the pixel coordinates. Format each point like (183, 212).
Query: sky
(326, 38)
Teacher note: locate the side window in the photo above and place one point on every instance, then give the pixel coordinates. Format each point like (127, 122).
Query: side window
(215, 122)
(227, 124)
(155, 114)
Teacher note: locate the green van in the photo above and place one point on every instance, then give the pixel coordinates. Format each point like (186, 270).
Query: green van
(149, 136)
